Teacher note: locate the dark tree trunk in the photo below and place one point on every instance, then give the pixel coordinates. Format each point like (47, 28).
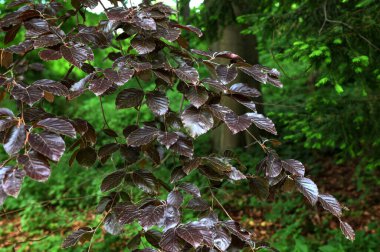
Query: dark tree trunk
(231, 39)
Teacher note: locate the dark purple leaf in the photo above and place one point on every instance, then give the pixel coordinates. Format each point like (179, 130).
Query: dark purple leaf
(7, 123)
(222, 239)
(129, 98)
(197, 121)
(82, 234)
(50, 145)
(15, 140)
(171, 242)
(237, 123)
(29, 95)
(174, 198)
(235, 174)
(49, 54)
(36, 27)
(145, 22)
(108, 149)
(177, 174)
(347, 230)
(191, 234)
(86, 157)
(197, 96)
(3, 195)
(112, 180)
(190, 189)
(226, 73)
(167, 138)
(274, 166)
(151, 215)
(48, 40)
(99, 86)
(259, 187)
(77, 54)
(143, 46)
(329, 203)
(12, 181)
(262, 122)
(80, 85)
(35, 165)
(112, 226)
(191, 165)
(59, 126)
(235, 228)
(21, 48)
(187, 74)
(228, 55)
(145, 180)
(245, 90)
(157, 102)
(126, 213)
(308, 188)
(220, 111)
(189, 28)
(6, 113)
(153, 237)
(198, 204)
(170, 34)
(295, 167)
(51, 86)
(142, 136)
(119, 77)
(172, 217)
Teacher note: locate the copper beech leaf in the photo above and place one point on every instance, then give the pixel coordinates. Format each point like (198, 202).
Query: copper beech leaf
(262, 122)
(35, 166)
(58, 126)
(187, 74)
(167, 138)
(76, 54)
(145, 180)
(197, 96)
(112, 180)
(12, 181)
(82, 234)
(171, 242)
(331, 204)
(29, 95)
(129, 98)
(143, 46)
(48, 144)
(347, 230)
(142, 136)
(293, 166)
(308, 188)
(15, 140)
(86, 157)
(197, 121)
(226, 73)
(51, 86)
(157, 102)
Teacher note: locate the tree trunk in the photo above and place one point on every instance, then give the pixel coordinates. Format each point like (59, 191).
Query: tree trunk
(230, 39)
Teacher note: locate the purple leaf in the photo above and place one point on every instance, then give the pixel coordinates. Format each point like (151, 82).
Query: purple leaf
(129, 98)
(157, 102)
(329, 203)
(308, 188)
(197, 121)
(187, 74)
(50, 145)
(15, 140)
(35, 165)
(59, 126)
(29, 95)
(12, 181)
(142, 136)
(295, 167)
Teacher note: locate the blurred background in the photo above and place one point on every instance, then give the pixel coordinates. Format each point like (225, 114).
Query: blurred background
(327, 116)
